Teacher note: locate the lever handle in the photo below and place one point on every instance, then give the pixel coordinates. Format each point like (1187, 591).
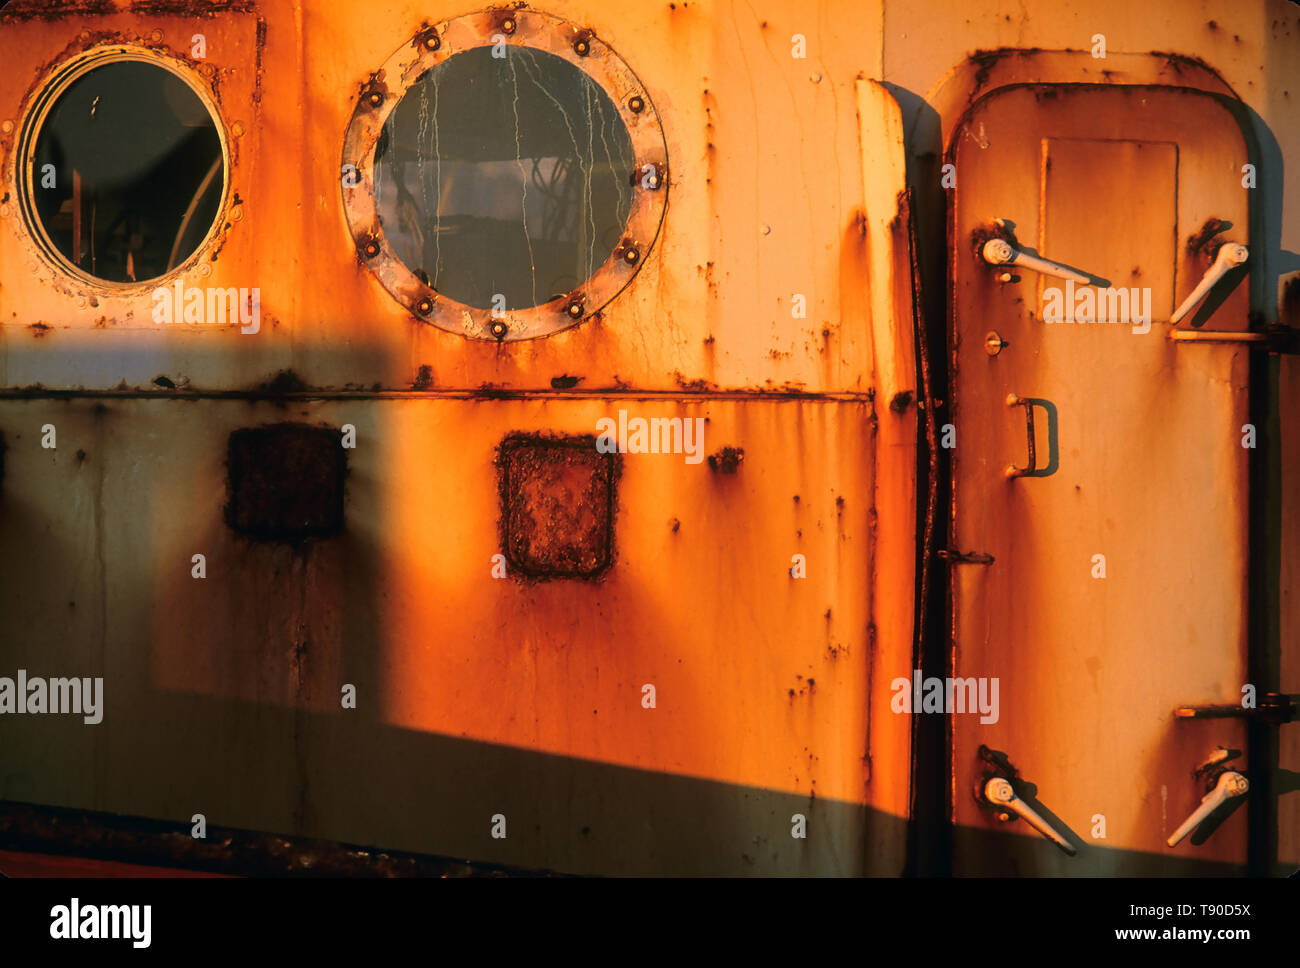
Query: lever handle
(999, 252)
(999, 792)
(1230, 785)
(1231, 255)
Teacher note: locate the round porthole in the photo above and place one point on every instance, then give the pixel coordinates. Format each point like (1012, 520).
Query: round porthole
(504, 175)
(122, 168)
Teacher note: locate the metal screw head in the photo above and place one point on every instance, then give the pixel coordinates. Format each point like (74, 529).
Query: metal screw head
(375, 98)
(508, 25)
(636, 104)
(994, 344)
(370, 248)
(581, 47)
(424, 306)
(431, 40)
(630, 254)
(574, 309)
(498, 328)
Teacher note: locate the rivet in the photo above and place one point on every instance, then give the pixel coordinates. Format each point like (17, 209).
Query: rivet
(155, 35)
(636, 104)
(498, 328)
(237, 129)
(766, 230)
(424, 306)
(237, 213)
(575, 309)
(7, 126)
(204, 270)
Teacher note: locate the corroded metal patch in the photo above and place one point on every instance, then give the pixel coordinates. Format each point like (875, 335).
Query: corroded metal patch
(285, 482)
(557, 506)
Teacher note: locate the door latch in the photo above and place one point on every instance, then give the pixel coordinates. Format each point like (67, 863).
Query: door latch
(1000, 252)
(1230, 255)
(999, 792)
(1231, 785)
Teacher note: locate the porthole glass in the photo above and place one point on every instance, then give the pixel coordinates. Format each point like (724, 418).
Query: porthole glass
(504, 177)
(126, 171)
(504, 174)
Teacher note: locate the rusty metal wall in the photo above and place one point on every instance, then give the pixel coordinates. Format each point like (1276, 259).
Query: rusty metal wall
(784, 179)
(479, 695)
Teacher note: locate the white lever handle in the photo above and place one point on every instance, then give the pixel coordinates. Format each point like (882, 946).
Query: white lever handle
(999, 252)
(998, 791)
(1230, 785)
(1230, 256)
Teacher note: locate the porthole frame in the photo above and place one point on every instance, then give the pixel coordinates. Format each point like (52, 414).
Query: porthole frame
(430, 46)
(24, 174)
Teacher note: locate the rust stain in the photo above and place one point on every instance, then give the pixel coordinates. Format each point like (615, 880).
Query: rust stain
(727, 460)
(286, 381)
(1201, 240)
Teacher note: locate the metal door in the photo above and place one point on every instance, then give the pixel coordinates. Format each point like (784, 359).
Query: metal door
(1100, 479)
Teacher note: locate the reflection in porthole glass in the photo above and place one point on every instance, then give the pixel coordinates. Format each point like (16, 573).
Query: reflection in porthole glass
(505, 176)
(127, 172)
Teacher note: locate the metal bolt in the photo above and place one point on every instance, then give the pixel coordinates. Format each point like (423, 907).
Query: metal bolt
(371, 248)
(375, 98)
(575, 309)
(636, 104)
(994, 344)
(581, 47)
(508, 25)
(432, 41)
(630, 255)
(424, 306)
(498, 328)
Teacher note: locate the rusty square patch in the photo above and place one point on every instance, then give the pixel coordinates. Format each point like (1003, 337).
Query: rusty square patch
(285, 482)
(557, 505)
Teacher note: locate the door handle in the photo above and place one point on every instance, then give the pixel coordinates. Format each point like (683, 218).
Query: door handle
(999, 252)
(1230, 785)
(1033, 470)
(999, 792)
(1230, 255)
